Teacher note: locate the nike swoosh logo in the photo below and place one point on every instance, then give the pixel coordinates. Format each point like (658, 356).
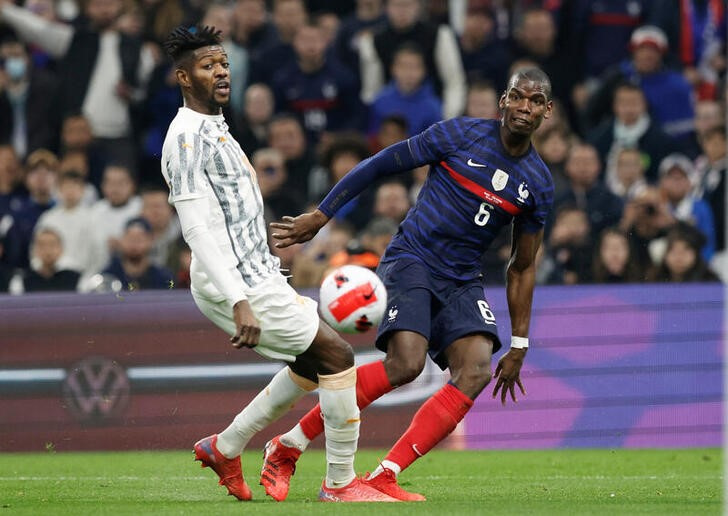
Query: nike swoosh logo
(474, 164)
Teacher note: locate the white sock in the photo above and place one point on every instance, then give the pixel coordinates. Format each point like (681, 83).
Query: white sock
(296, 438)
(337, 395)
(386, 464)
(270, 404)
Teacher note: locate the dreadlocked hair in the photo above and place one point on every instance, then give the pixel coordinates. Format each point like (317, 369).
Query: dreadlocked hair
(182, 40)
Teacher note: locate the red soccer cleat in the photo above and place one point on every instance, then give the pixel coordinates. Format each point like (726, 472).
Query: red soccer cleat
(386, 482)
(279, 465)
(229, 470)
(355, 491)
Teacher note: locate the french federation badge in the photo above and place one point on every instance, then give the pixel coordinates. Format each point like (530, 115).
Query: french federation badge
(500, 179)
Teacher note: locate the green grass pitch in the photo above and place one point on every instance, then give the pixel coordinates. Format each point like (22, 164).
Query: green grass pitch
(553, 482)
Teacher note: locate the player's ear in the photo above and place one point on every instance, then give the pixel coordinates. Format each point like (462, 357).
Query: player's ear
(502, 101)
(549, 109)
(183, 78)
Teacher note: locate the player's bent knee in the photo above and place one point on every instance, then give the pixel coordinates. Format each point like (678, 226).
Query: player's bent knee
(402, 371)
(472, 378)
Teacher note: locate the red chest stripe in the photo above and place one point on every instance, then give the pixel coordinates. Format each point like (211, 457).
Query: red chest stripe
(481, 192)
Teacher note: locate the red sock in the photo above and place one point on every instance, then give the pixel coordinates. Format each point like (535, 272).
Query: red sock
(431, 424)
(371, 383)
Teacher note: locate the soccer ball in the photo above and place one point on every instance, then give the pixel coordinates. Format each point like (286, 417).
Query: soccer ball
(352, 299)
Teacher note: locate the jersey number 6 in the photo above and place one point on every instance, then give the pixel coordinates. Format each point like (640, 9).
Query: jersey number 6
(483, 215)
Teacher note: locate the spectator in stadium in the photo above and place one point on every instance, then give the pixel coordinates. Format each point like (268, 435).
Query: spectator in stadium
(286, 134)
(600, 31)
(118, 204)
(708, 114)
(45, 273)
(485, 56)
(104, 70)
(587, 191)
(626, 173)
(77, 162)
(251, 129)
(72, 220)
(712, 168)
(12, 190)
(163, 222)
(676, 176)
(569, 249)
(316, 88)
(288, 16)
(76, 137)
(272, 175)
(27, 96)
(668, 94)
(683, 262)
(438, 44)
(391, 201)
(632, 126)
(310, 265)
(161, 104)
(328, 21)
(366, 17)
(161, 16)
(219, 14)
(536, 40)
(251, 26)
(392, 129)
(41, 169)
(646, 219)
(696, 33)
(132, 265)
(369, 245)
(614, 261)
(481, 100)
(409, 94)
(553, 145)
(182, 263)
(337, 159)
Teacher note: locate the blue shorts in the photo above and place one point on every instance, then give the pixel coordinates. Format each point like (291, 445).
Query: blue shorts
(441, 310)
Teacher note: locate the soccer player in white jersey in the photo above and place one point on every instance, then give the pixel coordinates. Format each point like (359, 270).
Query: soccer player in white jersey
(236, 281)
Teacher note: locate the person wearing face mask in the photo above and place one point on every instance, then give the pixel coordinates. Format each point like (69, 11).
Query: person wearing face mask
(26, 96)
(105, 71)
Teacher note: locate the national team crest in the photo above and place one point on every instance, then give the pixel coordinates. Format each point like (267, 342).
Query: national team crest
(500, 179)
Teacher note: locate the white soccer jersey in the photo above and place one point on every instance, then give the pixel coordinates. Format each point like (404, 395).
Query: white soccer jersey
(200, 159)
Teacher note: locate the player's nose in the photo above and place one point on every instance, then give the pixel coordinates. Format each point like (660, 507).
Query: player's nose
(221, 71)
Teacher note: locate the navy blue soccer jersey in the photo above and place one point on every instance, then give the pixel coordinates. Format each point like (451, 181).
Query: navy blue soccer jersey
(473, 189)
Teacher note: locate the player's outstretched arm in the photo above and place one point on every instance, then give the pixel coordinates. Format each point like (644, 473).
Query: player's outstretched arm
(295, 230)
(520, 282)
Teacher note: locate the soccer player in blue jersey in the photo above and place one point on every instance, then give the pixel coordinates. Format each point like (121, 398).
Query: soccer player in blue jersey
(484, 175)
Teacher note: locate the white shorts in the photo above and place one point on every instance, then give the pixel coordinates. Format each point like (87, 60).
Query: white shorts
(288, 321)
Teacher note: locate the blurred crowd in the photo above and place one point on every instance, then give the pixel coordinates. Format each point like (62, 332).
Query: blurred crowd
(636, 146)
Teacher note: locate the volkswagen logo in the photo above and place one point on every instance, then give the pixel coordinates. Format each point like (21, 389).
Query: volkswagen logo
(96, 389)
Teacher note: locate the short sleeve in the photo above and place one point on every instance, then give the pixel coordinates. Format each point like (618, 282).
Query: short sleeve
(534, 220)
(185, 159)
(440, 140)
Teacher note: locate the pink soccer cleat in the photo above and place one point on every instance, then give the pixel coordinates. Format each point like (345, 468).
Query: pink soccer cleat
(229, 470)
(355, 491)
(279, 465)
(386, 482)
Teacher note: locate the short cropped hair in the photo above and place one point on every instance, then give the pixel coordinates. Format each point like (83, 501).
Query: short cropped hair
(532, 74)
(183, 40)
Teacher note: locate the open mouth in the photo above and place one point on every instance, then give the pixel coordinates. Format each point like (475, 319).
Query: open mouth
(222, 87)
(521, 121)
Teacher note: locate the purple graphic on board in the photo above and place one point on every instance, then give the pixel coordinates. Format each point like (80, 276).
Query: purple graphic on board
(635, 366)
